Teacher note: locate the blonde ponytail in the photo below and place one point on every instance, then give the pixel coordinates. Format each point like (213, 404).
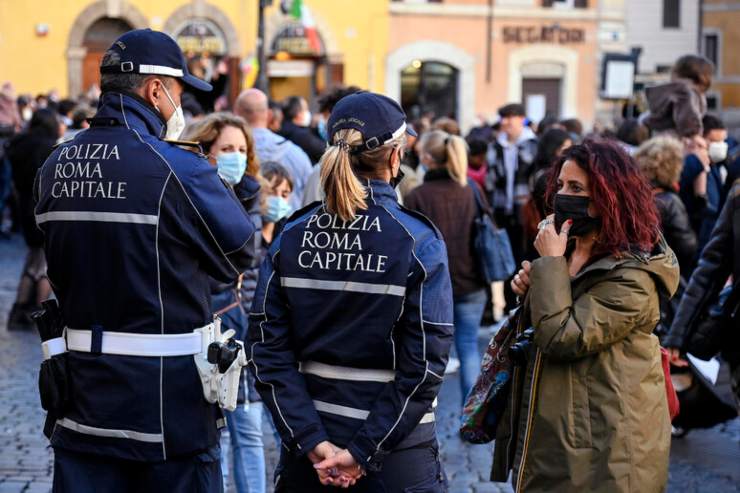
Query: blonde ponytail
(448, 150)
(345, 195)
(457, 158)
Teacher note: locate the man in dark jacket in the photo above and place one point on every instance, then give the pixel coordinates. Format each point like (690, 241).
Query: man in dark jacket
(720, 258)
(134, 227)
(296, 128)
(701, 179)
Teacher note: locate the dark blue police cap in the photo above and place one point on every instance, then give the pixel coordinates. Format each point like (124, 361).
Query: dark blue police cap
(144, 51)
(378, 118)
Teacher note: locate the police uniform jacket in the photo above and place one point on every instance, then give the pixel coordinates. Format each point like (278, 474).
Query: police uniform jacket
(134, 228)
(351, 326)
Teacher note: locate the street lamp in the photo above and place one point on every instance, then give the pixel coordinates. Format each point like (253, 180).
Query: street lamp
(261, 56)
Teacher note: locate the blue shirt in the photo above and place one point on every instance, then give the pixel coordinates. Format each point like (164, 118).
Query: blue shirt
(272, 147)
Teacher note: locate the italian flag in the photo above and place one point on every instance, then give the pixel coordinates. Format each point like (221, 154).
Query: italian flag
(302, 13)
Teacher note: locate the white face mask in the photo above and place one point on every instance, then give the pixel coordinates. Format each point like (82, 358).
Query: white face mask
(306, 119)
(718, 151)
(176, 122)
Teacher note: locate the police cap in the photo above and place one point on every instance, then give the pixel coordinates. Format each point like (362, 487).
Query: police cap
(143, 51)
(377, 117)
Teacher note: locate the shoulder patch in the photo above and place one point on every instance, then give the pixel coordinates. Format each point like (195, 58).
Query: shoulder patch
(189, 145)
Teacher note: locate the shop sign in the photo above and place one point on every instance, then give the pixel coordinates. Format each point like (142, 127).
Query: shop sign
(543, 34)
(201, 36)
(293, 39)
(290, 68)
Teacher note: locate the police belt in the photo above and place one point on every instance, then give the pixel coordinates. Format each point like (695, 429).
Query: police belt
(133, 344)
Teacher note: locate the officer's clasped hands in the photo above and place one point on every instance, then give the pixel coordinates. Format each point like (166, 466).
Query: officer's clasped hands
(335, 466)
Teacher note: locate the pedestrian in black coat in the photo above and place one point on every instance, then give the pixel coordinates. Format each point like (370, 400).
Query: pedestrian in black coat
(719, 259)
(661, 161)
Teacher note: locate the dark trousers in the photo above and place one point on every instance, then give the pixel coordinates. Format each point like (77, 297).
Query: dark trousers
(415, 470)
(86, 473)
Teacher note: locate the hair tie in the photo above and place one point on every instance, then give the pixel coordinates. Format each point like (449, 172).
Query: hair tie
(447, 140)
(342, 144)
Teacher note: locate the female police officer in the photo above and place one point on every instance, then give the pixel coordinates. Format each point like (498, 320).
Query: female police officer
(352, 320)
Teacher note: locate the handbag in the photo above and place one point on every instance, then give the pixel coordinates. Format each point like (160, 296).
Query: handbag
(486, 402)
(713, 325)
(491, 244)
(670, 391)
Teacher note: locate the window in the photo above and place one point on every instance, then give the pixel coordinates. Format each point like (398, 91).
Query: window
(429, 87)
(711, 48)
(671, 14)
(566, 4)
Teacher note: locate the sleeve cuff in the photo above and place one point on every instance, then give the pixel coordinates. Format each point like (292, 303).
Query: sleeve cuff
(366, 455)
(307, 440)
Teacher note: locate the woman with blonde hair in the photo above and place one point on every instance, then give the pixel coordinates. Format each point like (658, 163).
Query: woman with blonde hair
(351, 323)
(447, 198)
(227, 142)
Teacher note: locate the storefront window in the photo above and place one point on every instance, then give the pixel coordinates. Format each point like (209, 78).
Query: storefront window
(298, 63)
(429, 87)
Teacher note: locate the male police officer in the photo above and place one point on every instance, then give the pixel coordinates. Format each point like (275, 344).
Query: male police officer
(134, 227)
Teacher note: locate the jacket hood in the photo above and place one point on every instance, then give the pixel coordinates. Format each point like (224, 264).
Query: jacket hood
(661, 264)
(661, 99)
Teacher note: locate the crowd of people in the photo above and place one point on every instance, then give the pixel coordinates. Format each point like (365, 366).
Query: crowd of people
(652, 205)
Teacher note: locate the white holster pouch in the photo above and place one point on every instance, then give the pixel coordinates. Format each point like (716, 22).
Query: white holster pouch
(219, 387)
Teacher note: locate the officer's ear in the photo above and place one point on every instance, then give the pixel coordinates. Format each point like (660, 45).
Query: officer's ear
(153, 92)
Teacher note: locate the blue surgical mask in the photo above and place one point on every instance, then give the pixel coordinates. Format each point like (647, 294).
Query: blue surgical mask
(277, 208)
(231, 166)
(321, 129)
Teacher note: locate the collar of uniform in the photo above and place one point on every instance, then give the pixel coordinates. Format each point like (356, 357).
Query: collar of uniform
(132, 112)
(379, 189)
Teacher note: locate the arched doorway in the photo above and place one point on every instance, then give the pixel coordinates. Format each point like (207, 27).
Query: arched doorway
(295, 63)
(429, 87)
(545, 78)
(98, 38)
(99, 23)
(447, 63)
(211, 46)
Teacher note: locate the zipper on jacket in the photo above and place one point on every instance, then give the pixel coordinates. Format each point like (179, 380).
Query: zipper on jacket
(530, 416)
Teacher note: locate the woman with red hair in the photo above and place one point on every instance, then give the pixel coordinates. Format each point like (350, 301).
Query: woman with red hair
(589, 409)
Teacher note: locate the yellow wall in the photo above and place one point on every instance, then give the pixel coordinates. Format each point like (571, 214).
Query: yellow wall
(37, 64)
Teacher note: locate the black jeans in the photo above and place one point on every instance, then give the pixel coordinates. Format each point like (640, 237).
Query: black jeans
(414, 470)
(86, 473)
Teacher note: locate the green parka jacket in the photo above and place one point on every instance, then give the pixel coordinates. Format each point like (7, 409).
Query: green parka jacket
(588, 413)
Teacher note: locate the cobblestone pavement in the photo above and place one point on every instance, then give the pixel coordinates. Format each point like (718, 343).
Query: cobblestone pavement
(703, 461)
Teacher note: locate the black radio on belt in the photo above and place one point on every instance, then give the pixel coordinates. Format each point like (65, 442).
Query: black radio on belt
(223, 354)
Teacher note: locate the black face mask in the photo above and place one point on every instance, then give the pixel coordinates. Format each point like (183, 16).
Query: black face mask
(575, 207)
(395, 180)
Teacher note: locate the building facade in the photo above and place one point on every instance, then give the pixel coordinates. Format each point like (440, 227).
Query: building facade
(466, 58)
(720, 39)
(46, 45)
(663, 30)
